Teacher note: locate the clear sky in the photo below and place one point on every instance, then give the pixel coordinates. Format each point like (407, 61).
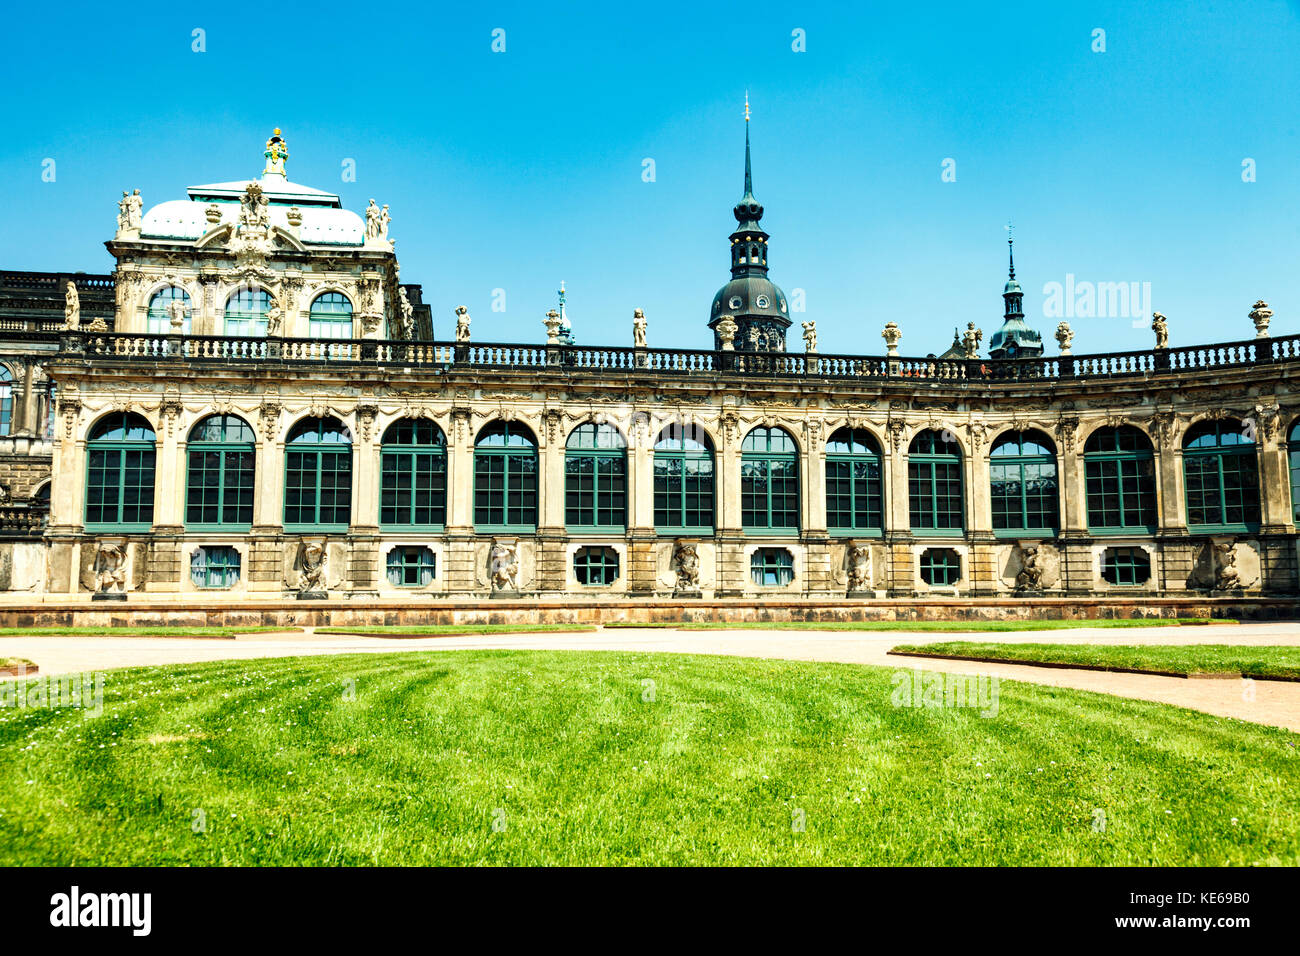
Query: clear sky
(517, 169)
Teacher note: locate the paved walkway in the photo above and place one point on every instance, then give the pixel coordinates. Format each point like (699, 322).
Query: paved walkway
(1276, 703)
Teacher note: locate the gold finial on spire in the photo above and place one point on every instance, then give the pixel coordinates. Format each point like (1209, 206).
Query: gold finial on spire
(746, 106)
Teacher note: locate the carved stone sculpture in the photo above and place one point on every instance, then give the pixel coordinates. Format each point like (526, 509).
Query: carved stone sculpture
(638, 329)
(891, 334)
(1160, 326)
(859, 566)
(313, 560)
(1261, 315)
(384, 220)
(1227, 576)
(134, 210)
(123, 213)
(727, 333)
(176, 310)
(372, 221)
(408, 313)
(1064, 336)
(809, 336)
(1030, 576)
(274, 320)
(552, 323)
(462, 324)
(686, 567)
(71, 307)
(503, 565)
(110, 569)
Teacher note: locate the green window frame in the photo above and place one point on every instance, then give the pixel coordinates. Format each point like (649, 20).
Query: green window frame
(318, 476)
(1023, 484)
(215, 567)
(1120, 481)
(771, 567)
(1293, 459)
(1125, 567)
(7, 400)
(769, 482)
(158, 318)
(411, 566)
(413, 476)
(121, 458)
(940, 567)
(330, 316)
(684, 481)
(246, 312)
(854, 484)
(505, 479)
(1221, 477)
(934, 485)
(596, 567)
(219, 485)
(595, 479)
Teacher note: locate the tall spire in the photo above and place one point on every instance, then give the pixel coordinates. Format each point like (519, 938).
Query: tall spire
(749, 179)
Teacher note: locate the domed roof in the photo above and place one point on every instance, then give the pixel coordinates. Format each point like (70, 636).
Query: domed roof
(324, 220)
(752, 295)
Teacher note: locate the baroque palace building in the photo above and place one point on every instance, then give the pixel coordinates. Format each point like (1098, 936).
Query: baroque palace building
(254, 406)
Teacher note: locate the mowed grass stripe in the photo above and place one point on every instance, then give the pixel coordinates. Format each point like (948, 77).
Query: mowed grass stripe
(1279, 662)
(604, 757)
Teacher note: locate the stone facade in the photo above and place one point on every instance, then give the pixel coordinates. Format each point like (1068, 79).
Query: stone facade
(214, 315)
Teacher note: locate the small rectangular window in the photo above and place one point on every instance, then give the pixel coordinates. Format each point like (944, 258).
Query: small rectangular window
(771, 567)
(411, 567)
(214, 567)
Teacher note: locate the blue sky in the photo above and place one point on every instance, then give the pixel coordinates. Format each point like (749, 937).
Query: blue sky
(515, 170)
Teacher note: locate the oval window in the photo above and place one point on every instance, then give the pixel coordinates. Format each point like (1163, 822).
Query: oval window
(763, 302)
(735, 302)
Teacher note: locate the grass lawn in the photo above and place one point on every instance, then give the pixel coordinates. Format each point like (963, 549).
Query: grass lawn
(449, 630)
(179, 631)
(1267, 661)
(544, 757)
(926, 626)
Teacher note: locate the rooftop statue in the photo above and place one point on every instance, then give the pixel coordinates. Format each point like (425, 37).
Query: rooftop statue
(1160, 326)
(462, 324)
(809, 336)
(71, 307)
(638, 329)
(277, 153)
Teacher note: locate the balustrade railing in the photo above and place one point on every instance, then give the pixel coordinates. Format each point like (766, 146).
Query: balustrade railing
(577, 359)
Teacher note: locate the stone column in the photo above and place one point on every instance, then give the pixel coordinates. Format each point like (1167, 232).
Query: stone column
(982, 575)
(27, 422)
(268, 545)
(897, 517)
(164, 547)
(461, 569)
(732, 576)
(812, 501)
(551, 537)
(1076, 556)
(643, 567)
(363, 536)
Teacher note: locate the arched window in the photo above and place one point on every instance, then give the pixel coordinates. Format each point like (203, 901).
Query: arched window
(6, 401)
(683, 480)
(1120, 478)
(853, 484)
(330, 317)
(1022, 479)
(769, 481)
(1293, 451)
(318, 476)
(505, 478)
(246, 312)
(1221, 477)
(120, 459)
(934, 484)
(595, 478)
(219, 486)
(160, 318)
(413, 476)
